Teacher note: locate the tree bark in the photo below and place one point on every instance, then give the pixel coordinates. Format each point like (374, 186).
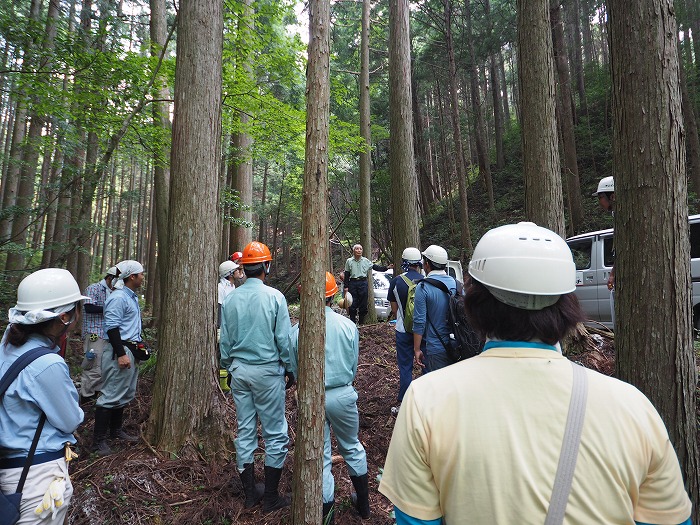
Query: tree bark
(568, 138)
(243, 181)
(187, 414)
(482, 152)
(544, 202)
(161, 173)
(693, 144)
(308, 450)
(465, 237)
(402, 169)
(654, 344)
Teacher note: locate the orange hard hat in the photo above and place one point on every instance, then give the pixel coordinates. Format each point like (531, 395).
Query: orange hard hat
(331, 285)
(255, 252)
(235, 256)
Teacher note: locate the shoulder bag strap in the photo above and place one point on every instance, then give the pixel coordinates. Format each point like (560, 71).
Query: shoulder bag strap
(20, 363)
(15, 368)
(32, 450)
(569, 447)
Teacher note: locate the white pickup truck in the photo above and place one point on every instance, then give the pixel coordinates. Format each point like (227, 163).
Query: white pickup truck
(593, 255)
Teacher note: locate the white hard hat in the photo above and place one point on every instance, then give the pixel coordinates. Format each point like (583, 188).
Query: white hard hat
(112, 271)
(346, 301)
(46, 289)
(436, 254)
(226, 268)
(606, 185)
(524, 265)
(411, 255)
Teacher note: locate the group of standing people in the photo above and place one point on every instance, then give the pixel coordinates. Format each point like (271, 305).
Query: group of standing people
(516, 434)
(41, 408)
(259, 348)
(519, 434)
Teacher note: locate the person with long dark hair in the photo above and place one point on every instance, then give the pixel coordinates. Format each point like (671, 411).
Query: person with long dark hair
(48, 306)
(520, 434)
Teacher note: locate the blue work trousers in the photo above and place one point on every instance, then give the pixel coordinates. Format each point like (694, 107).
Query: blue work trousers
(342, 417)
(404, 359)
(118, 384)
(258, 391)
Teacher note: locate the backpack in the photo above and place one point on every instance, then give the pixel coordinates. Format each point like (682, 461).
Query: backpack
(410, 302)
(464, 341)
(9, 503)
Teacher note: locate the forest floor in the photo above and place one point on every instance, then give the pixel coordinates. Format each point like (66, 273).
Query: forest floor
(137, 485)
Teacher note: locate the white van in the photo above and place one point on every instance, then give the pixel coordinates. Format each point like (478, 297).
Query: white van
(593, 255)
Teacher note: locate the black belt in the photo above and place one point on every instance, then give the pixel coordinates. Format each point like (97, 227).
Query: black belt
(358, 279)
(38, 459)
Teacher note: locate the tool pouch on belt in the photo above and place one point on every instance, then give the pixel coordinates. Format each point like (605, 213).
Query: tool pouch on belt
(139, 349)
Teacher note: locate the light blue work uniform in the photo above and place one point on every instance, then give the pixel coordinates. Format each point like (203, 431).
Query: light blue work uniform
(342, 351)
(43, 386)
(254, 348)
(121, 311)
(434, 303)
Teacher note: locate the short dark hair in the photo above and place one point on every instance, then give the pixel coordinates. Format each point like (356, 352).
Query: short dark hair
(253, 270)
(492, 318)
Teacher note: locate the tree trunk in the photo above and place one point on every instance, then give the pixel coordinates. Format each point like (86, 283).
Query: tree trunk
(544, 202)
(366, 134)
(574, 17)
(402, 169)
(465, 238)
(421, 154)
(187, 414)
(568, 138)
(693, 144)
(161, 120)
(654, 345)
(479, 125)
(243, 181)
(263, 205)
(307, 488)
(589, 54)
(504, 84)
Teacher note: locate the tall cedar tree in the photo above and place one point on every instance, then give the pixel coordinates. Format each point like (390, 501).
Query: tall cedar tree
(188, 410)
(308, 452)
(544, 203)
(402, 169)
(654, 342)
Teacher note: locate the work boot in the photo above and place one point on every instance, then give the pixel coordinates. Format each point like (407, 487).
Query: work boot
(253, 491)
(115, 427)
(361, 496)
(99, 438)
(272, 500)
(328, 513)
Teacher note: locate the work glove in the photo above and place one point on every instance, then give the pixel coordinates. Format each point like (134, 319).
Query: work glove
(53, 499)
(290, 379)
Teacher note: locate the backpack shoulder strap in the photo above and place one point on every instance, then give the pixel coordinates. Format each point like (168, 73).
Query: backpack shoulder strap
(20, 364)
(438, 284)
(406, 279)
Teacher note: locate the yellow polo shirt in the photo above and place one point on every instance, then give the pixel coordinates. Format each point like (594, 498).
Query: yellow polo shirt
(479, 441)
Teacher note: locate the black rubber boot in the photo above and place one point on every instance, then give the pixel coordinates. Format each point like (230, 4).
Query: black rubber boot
(272, 500)
(253, 492)
(99, 438)
(328, 513)
(115, 426)
(361, 499)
